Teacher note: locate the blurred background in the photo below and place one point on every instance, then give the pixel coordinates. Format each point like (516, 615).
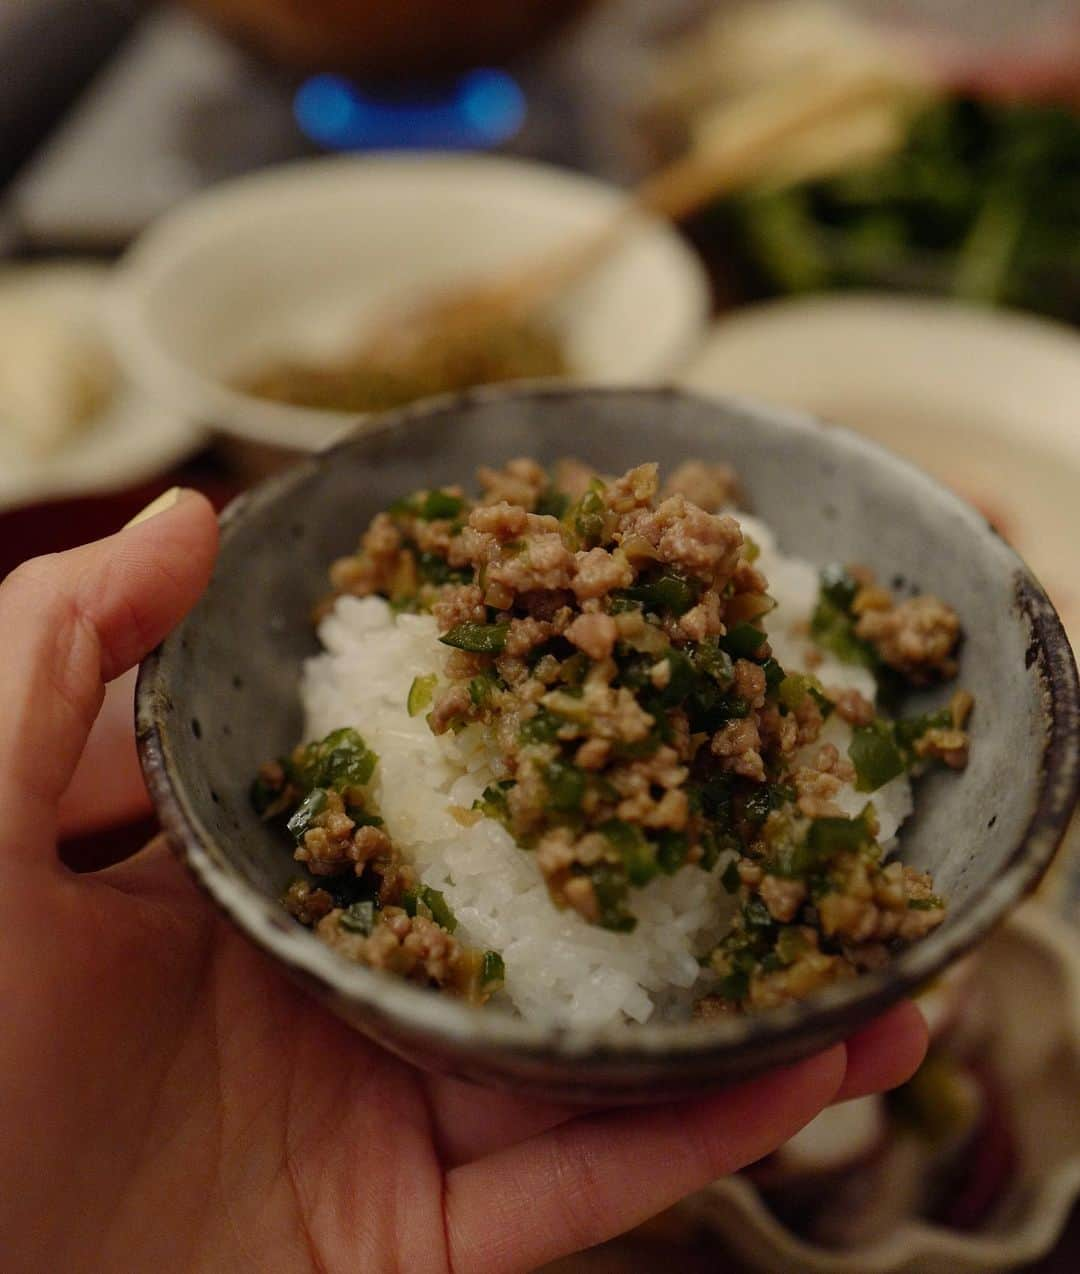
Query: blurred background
(229, 229)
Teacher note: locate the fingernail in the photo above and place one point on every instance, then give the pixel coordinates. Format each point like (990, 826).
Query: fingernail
(164, 501)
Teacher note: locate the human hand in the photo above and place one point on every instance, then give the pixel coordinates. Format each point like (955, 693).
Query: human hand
(170, 1102)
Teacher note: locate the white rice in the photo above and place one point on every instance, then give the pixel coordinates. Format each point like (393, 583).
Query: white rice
(558, 967)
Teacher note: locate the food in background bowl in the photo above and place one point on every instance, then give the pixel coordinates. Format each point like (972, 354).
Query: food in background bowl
(448, 356)
(594, 748)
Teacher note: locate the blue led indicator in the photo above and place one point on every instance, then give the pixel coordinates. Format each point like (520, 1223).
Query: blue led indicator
(480, 110)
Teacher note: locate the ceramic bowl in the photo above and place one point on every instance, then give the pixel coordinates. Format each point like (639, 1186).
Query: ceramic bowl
(300, 259)
(219, 696)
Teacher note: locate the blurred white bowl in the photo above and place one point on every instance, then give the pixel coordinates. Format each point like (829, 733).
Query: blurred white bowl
(295, 260)
(128, 441)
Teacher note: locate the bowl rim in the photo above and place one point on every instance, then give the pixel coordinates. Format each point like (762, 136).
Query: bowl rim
(149, 361)
(835, 1010)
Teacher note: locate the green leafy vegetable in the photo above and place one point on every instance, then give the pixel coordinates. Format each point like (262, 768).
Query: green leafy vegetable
(481, 639)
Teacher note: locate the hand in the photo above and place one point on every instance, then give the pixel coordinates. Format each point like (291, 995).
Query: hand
(169, 1101)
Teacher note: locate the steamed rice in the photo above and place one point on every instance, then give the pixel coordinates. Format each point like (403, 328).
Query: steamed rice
(558, 966)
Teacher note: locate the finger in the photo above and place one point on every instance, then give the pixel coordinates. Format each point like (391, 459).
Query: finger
(107, 789)
(471, 1122)
(597, 1176)
(885, 1053)
(70, 623)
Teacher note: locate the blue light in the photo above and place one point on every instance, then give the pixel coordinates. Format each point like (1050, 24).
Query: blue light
(476, 112)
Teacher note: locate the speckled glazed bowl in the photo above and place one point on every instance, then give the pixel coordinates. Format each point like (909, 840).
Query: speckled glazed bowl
(220, 695)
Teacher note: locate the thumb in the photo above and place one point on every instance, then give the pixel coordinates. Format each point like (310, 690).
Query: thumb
(73, 621)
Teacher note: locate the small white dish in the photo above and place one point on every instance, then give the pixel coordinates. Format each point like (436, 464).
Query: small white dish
(1030, 970)
(131, 439)
(294, 261)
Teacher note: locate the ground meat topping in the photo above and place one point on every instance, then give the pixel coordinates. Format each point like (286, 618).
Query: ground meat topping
(711, 487)
(918, 637)
(612, 641)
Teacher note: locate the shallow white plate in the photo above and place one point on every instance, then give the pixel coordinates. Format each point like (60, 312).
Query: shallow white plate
(130, 440)
(298, 259)
(990, 402)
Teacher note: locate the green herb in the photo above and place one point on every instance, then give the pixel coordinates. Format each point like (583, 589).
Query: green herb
(838, 587)
(481, 639)
(743, 641)
(308, 811)
(680, 682)
(420, 693)
(933, 903)
(829, 836)
(413, 899)
(553, 503)
(672, 848)
(439, 504)
(610, 889)
(766, 797)
(492, 801)
(638, 856)
(358, 918)
(481, 688)
(910, 730)
(542, 727)
(340, 761)
(774, 675)
(492, 971)
(714, 662)
(588, 516)
(875, 756)
(565, 786)
(434, 569)
(834, 630)
(666, 592)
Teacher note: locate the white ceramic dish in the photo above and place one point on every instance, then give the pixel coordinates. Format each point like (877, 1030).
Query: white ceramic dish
(297, 260)
(1031, 969)
(131, 439)
(988, 402)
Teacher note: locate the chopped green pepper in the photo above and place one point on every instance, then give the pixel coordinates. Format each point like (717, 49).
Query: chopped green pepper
(359, 917)
(638, 856)
(309, 809)
(610, 889)
(743, 641)
(481, 639)
(420, 693)
(875, 756)
(439, 504)
(492, 972)
(342, 760)
(565, 785)
(435, 903)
